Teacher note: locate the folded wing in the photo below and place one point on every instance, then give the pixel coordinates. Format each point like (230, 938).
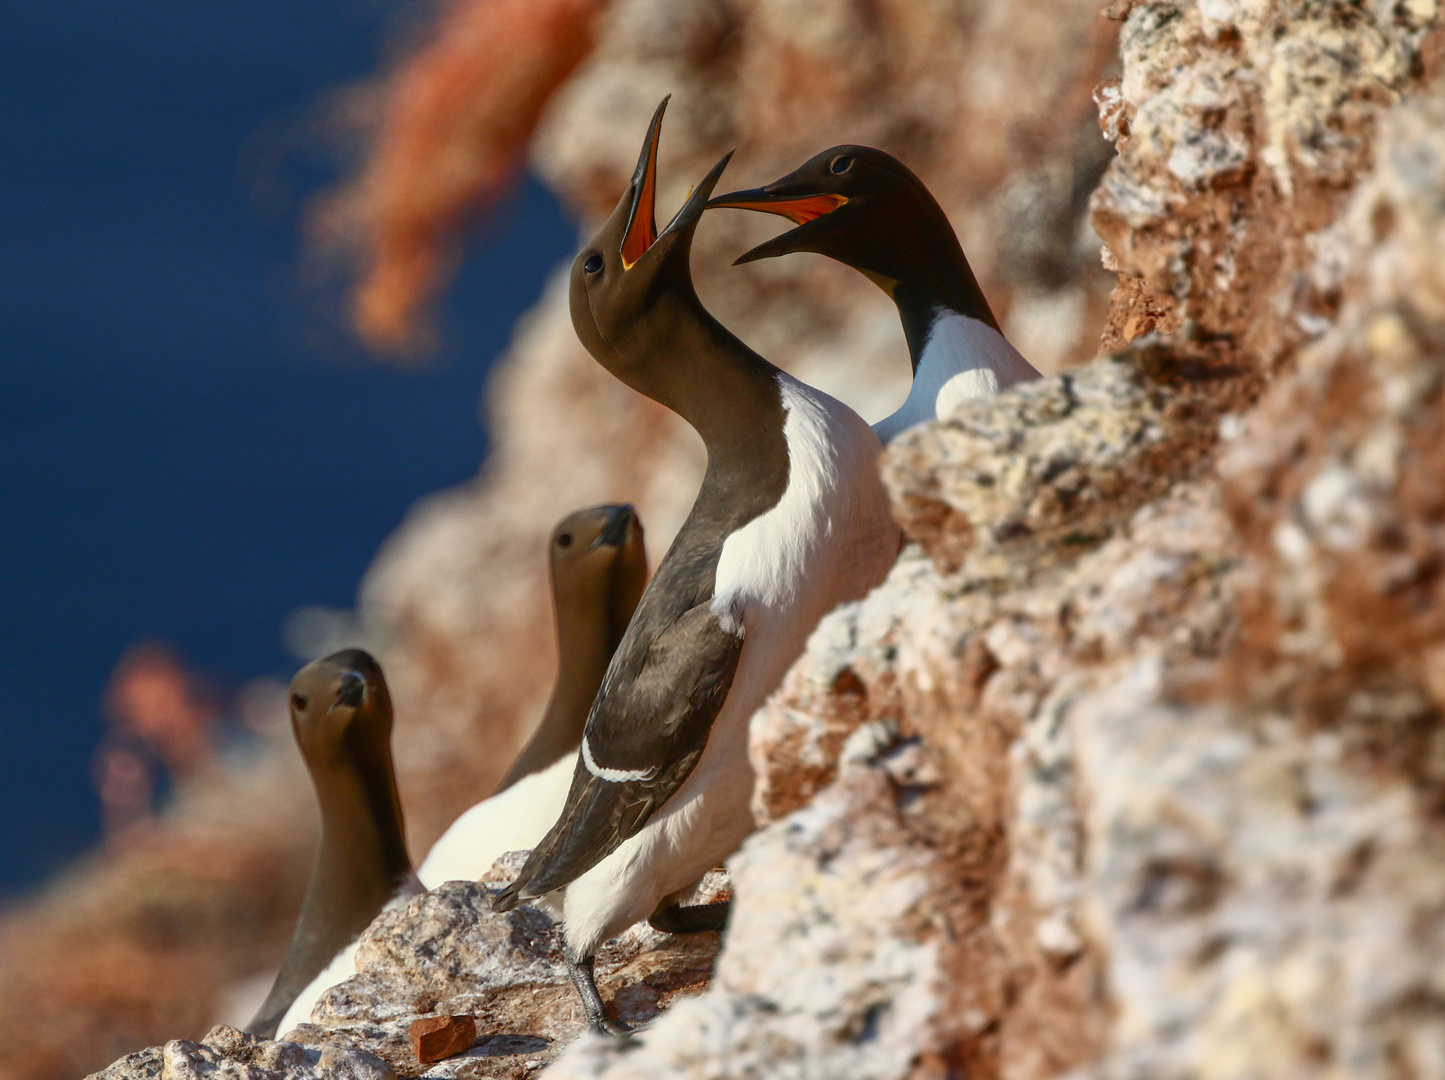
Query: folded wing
(646, 732)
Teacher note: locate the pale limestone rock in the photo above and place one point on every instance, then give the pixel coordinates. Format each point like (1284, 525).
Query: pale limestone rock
(1268, 910)
(1051, 465)
(831, 970)
(227, 1054)
(449, 948)
(848, 663)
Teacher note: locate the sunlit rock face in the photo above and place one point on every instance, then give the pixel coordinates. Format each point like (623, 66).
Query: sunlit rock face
(227, 1052)
(1134, 765)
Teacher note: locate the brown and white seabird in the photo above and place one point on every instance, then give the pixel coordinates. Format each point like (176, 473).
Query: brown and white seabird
(791, 520)
(598, 568)
(868, 210)
(341, 717)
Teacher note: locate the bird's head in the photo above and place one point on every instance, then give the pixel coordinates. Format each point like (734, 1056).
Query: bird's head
(628, 267)
(341, 711)
(856, 204)
(599, 568)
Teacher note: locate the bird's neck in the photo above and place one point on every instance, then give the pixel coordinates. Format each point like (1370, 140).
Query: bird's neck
(585, 644)
(363, 843)
(360, 866)
(936, 281)
(584, 647)
(693, 365)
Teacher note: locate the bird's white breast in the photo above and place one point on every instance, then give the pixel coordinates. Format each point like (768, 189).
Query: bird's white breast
(829, 539)
(786, 556)
(963, 359)
(514, 819)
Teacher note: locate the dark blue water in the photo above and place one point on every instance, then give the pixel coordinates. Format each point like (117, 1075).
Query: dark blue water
(176, 461)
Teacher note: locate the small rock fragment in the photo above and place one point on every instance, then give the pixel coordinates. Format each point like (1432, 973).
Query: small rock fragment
(436, 1037)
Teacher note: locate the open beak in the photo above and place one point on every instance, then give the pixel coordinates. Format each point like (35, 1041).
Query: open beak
(691, 212)
(641, 232)
(614, 533)
(799, 209)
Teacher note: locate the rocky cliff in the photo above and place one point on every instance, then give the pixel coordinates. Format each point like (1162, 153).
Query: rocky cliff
(1134, 765)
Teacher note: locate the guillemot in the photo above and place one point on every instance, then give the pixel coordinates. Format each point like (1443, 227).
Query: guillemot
(790, 521)
(868, 210)
(341, 717)
(599, 566)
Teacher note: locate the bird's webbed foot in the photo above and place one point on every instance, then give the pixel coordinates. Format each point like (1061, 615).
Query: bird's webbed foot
(585, 981)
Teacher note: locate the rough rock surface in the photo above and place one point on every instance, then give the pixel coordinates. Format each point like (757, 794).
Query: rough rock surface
(446, 953)
(1003, 490)
(1134, 766)
(226, 1052)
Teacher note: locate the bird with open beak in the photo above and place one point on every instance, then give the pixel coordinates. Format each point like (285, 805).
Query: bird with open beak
(868, 210)
(791, 520)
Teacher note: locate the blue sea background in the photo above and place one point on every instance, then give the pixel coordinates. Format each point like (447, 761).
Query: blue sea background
(189, 449)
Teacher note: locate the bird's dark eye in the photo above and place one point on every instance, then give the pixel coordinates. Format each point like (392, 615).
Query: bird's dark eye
(593, 263)
(841, 164)
(565, 539)
(298, 702)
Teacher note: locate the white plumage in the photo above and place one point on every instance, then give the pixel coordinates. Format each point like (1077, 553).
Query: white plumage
(614, 776)
(963, 359)
(509, 821)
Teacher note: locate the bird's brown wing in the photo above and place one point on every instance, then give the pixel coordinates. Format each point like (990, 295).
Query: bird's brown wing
(646, 732)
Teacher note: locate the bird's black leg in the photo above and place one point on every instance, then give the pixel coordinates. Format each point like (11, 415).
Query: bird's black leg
(690, 918)
(586, 983)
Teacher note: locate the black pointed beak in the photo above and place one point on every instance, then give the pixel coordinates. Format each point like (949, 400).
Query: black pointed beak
(641, 231)
(691, 211)
(614, 533)
(352, 692)
(760, 198)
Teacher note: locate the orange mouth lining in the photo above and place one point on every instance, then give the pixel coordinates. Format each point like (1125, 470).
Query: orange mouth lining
(642, 230)
(643, 233)
(798, 211)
